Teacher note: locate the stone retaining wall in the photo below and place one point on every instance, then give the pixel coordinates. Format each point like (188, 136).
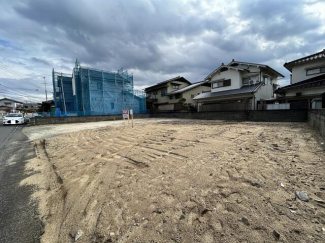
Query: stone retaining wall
(316, 119)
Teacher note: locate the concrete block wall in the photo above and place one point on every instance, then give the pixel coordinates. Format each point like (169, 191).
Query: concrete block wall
(217, 115)
(278, 116)
(316, 119)
(263, 116)
(77, 119)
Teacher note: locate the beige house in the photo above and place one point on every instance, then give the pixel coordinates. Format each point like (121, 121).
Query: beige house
(157, 94)
(187, 93)
(307, 82)
(166, 95)
(238, 86)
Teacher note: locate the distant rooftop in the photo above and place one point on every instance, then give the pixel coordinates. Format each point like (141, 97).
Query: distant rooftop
(16, 101)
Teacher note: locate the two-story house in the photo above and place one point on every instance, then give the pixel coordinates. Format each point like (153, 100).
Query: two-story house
(8, 105)
(307, 82)
(166, 95)
(238, 86)
(187, 94)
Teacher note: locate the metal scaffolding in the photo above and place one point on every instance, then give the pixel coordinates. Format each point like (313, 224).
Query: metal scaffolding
(90, 91)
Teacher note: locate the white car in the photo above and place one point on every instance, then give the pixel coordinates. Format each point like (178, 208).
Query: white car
(13, 118)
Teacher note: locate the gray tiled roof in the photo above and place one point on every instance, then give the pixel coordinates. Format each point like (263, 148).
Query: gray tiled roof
(187, 88)
(243, 90)
(240, 68)
(318, 81)
(318, 55)
(178, 78)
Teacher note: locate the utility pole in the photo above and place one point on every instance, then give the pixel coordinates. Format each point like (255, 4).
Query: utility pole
(45, 88)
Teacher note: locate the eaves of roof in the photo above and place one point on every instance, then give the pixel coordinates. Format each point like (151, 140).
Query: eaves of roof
(192, 86)
(244, 69)
(243, 90)
(178, 78)
(314, 82)
(222, 66)
(312, 57)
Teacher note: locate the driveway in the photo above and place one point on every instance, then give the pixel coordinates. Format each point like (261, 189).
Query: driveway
(18, 213)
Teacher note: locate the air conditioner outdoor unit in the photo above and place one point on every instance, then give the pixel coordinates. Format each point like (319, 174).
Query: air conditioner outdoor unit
(251, 81)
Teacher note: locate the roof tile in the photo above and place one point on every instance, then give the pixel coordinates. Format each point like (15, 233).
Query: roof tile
(243, 90)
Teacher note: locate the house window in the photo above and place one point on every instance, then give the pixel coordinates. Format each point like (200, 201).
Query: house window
(163, 91)
(171, 97)
(148, 95)
(178, 96)
(265, 80)
(245, 81)
(192, 96)
(220, 84)
(99, 85)
(317, 70)
(7, 103)
(175, 86)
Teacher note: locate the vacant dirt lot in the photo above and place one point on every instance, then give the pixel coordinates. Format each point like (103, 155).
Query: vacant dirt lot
(182, 181)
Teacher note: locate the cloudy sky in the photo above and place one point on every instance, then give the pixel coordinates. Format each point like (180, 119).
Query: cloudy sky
(155, 40)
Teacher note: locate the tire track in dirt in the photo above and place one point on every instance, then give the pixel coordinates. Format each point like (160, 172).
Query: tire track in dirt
(195, 182)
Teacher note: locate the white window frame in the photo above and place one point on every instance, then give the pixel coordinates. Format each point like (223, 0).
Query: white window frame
(220, 84)
(315, 70)
(217, 84)
(265, 80)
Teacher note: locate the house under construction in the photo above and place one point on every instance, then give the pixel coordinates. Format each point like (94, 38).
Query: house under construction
(90, 91)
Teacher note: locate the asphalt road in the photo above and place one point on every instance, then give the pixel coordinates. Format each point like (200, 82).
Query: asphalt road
(19, 220)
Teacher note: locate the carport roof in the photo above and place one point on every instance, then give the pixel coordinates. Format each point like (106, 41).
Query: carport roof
(243, 90)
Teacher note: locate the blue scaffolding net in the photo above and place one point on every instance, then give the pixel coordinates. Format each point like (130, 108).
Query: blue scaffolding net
(90, 91)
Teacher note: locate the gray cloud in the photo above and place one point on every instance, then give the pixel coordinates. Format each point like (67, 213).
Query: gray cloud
(155, 40)
(278, 19)
(40, 60)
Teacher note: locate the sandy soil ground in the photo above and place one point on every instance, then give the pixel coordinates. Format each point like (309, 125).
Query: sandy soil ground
(51, 131)
(182, 181)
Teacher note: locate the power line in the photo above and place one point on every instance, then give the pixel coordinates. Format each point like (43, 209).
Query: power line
(16, 74)
(19, 96)
(19, 88)
(16, 92)
(12, 72)
(15, 77)
(27, 68)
